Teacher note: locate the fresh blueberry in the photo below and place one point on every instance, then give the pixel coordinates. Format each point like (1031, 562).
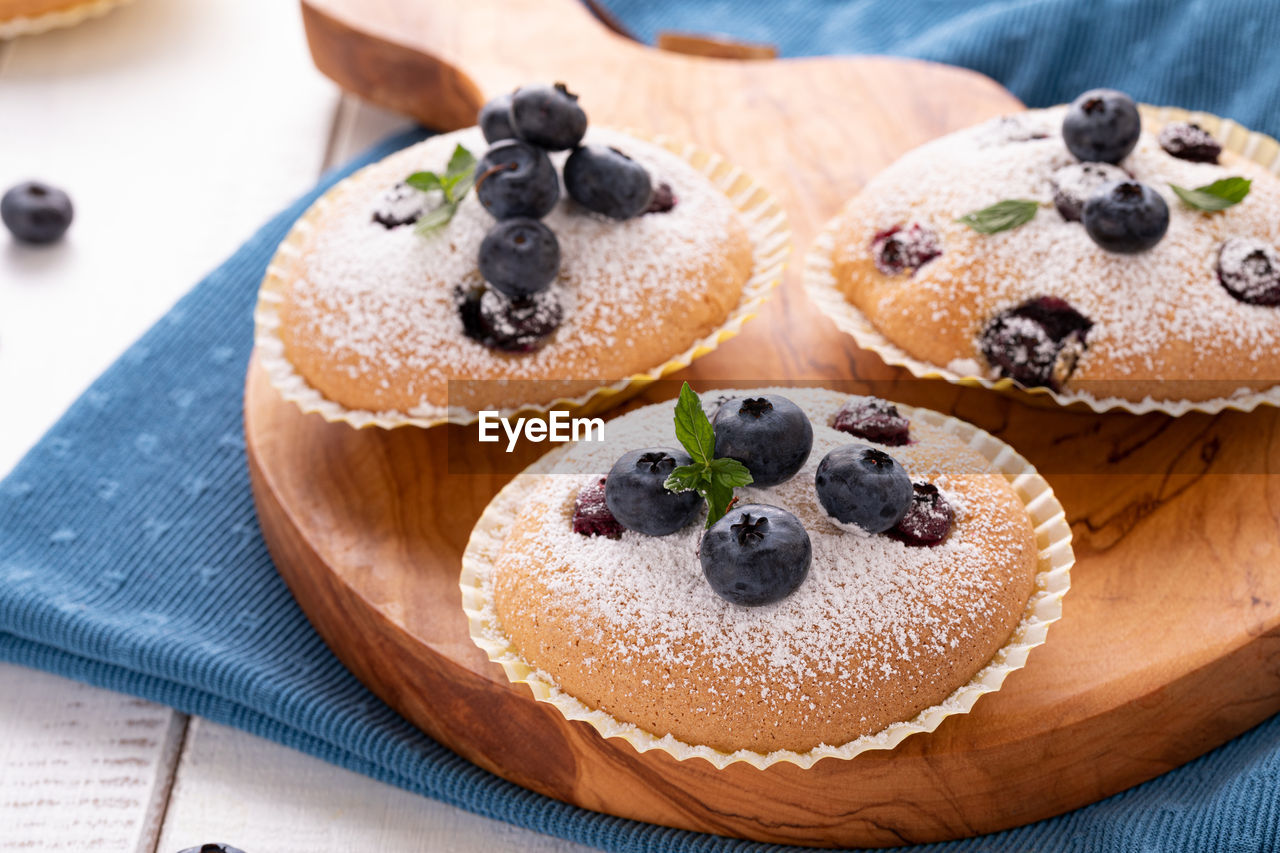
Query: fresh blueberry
(514, 178)
(865, 486)
(664, 199)
(1101, 126)
(1126, 216)
(904, 249)
(1250, 271)
(212, 848)
(511, 325)
(1188, 141)
(1074, 184)
(520, 257)
(874, 420)
(495, 119)
(635, 494)
(929, 519)
(548, 117)
(36, 212)
(771, 435)
(400, 205)
(756, 554)
(607, 181)
(591, 516)
(1036, 343)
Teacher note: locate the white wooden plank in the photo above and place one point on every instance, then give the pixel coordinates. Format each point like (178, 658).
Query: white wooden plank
(265, 798)
(177, 126)
(81, 768)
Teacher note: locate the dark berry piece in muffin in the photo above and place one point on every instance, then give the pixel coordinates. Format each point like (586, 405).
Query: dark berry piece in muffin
(1036, 343)
(1250, 270)
(873, 419)
(548, 116)
(756, 554)
(400, 205)
(663, 201)
(35, 212)
(511, 325)
(929, 519)
(904, 248)
(591, 516)
(1074, 184)
(514, 179)
(1102, 125)
(607, 181)
(520, 257)
(1189, 141)
(1126, 217)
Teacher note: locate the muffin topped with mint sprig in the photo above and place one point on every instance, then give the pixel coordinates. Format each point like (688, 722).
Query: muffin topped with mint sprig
(762, 570)
(528, 260)
(1097, 250)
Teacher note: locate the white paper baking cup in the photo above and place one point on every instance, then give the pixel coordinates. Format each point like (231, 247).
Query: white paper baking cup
(1053, 579)
(822, 289)
(34, 24)
(767, 229)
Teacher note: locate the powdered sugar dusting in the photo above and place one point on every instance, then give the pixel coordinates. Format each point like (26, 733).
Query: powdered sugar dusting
(873, 615)
(386, 299)
(1144, 307)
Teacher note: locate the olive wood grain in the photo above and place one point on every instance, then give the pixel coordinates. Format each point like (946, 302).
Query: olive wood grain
(1170, 641)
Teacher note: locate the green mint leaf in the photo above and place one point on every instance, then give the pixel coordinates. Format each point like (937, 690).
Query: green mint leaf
(692, 427)
(436, 218)
(458, 179)
(719, 495)
(463, 162)
(1218, 195)
(687, 478)
(731, 472)
(425, 181)
(1001, 216)
(712, 478)
(457, 186)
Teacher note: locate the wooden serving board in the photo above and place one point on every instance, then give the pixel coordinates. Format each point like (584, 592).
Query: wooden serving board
(1170, 642)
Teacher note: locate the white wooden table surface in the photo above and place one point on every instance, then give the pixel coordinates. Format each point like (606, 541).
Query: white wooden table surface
(178, 126)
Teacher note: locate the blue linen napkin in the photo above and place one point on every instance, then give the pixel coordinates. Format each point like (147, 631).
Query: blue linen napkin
(1220, 56)
(130, 555)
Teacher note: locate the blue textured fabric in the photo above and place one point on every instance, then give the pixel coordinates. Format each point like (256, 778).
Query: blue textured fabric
(1220, 56)
(130, 556)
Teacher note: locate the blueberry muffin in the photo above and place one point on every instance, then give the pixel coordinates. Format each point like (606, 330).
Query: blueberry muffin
(873, 565)
(1082, 249)
(478, 271)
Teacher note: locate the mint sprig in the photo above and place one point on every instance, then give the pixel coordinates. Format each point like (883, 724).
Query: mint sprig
(1216, 196)
(458, 179)
(1001, 216)
(712, 478)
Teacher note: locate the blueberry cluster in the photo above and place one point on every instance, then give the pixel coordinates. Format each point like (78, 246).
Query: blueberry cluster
(757, 554)
(1120, 214)
(517, 183)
